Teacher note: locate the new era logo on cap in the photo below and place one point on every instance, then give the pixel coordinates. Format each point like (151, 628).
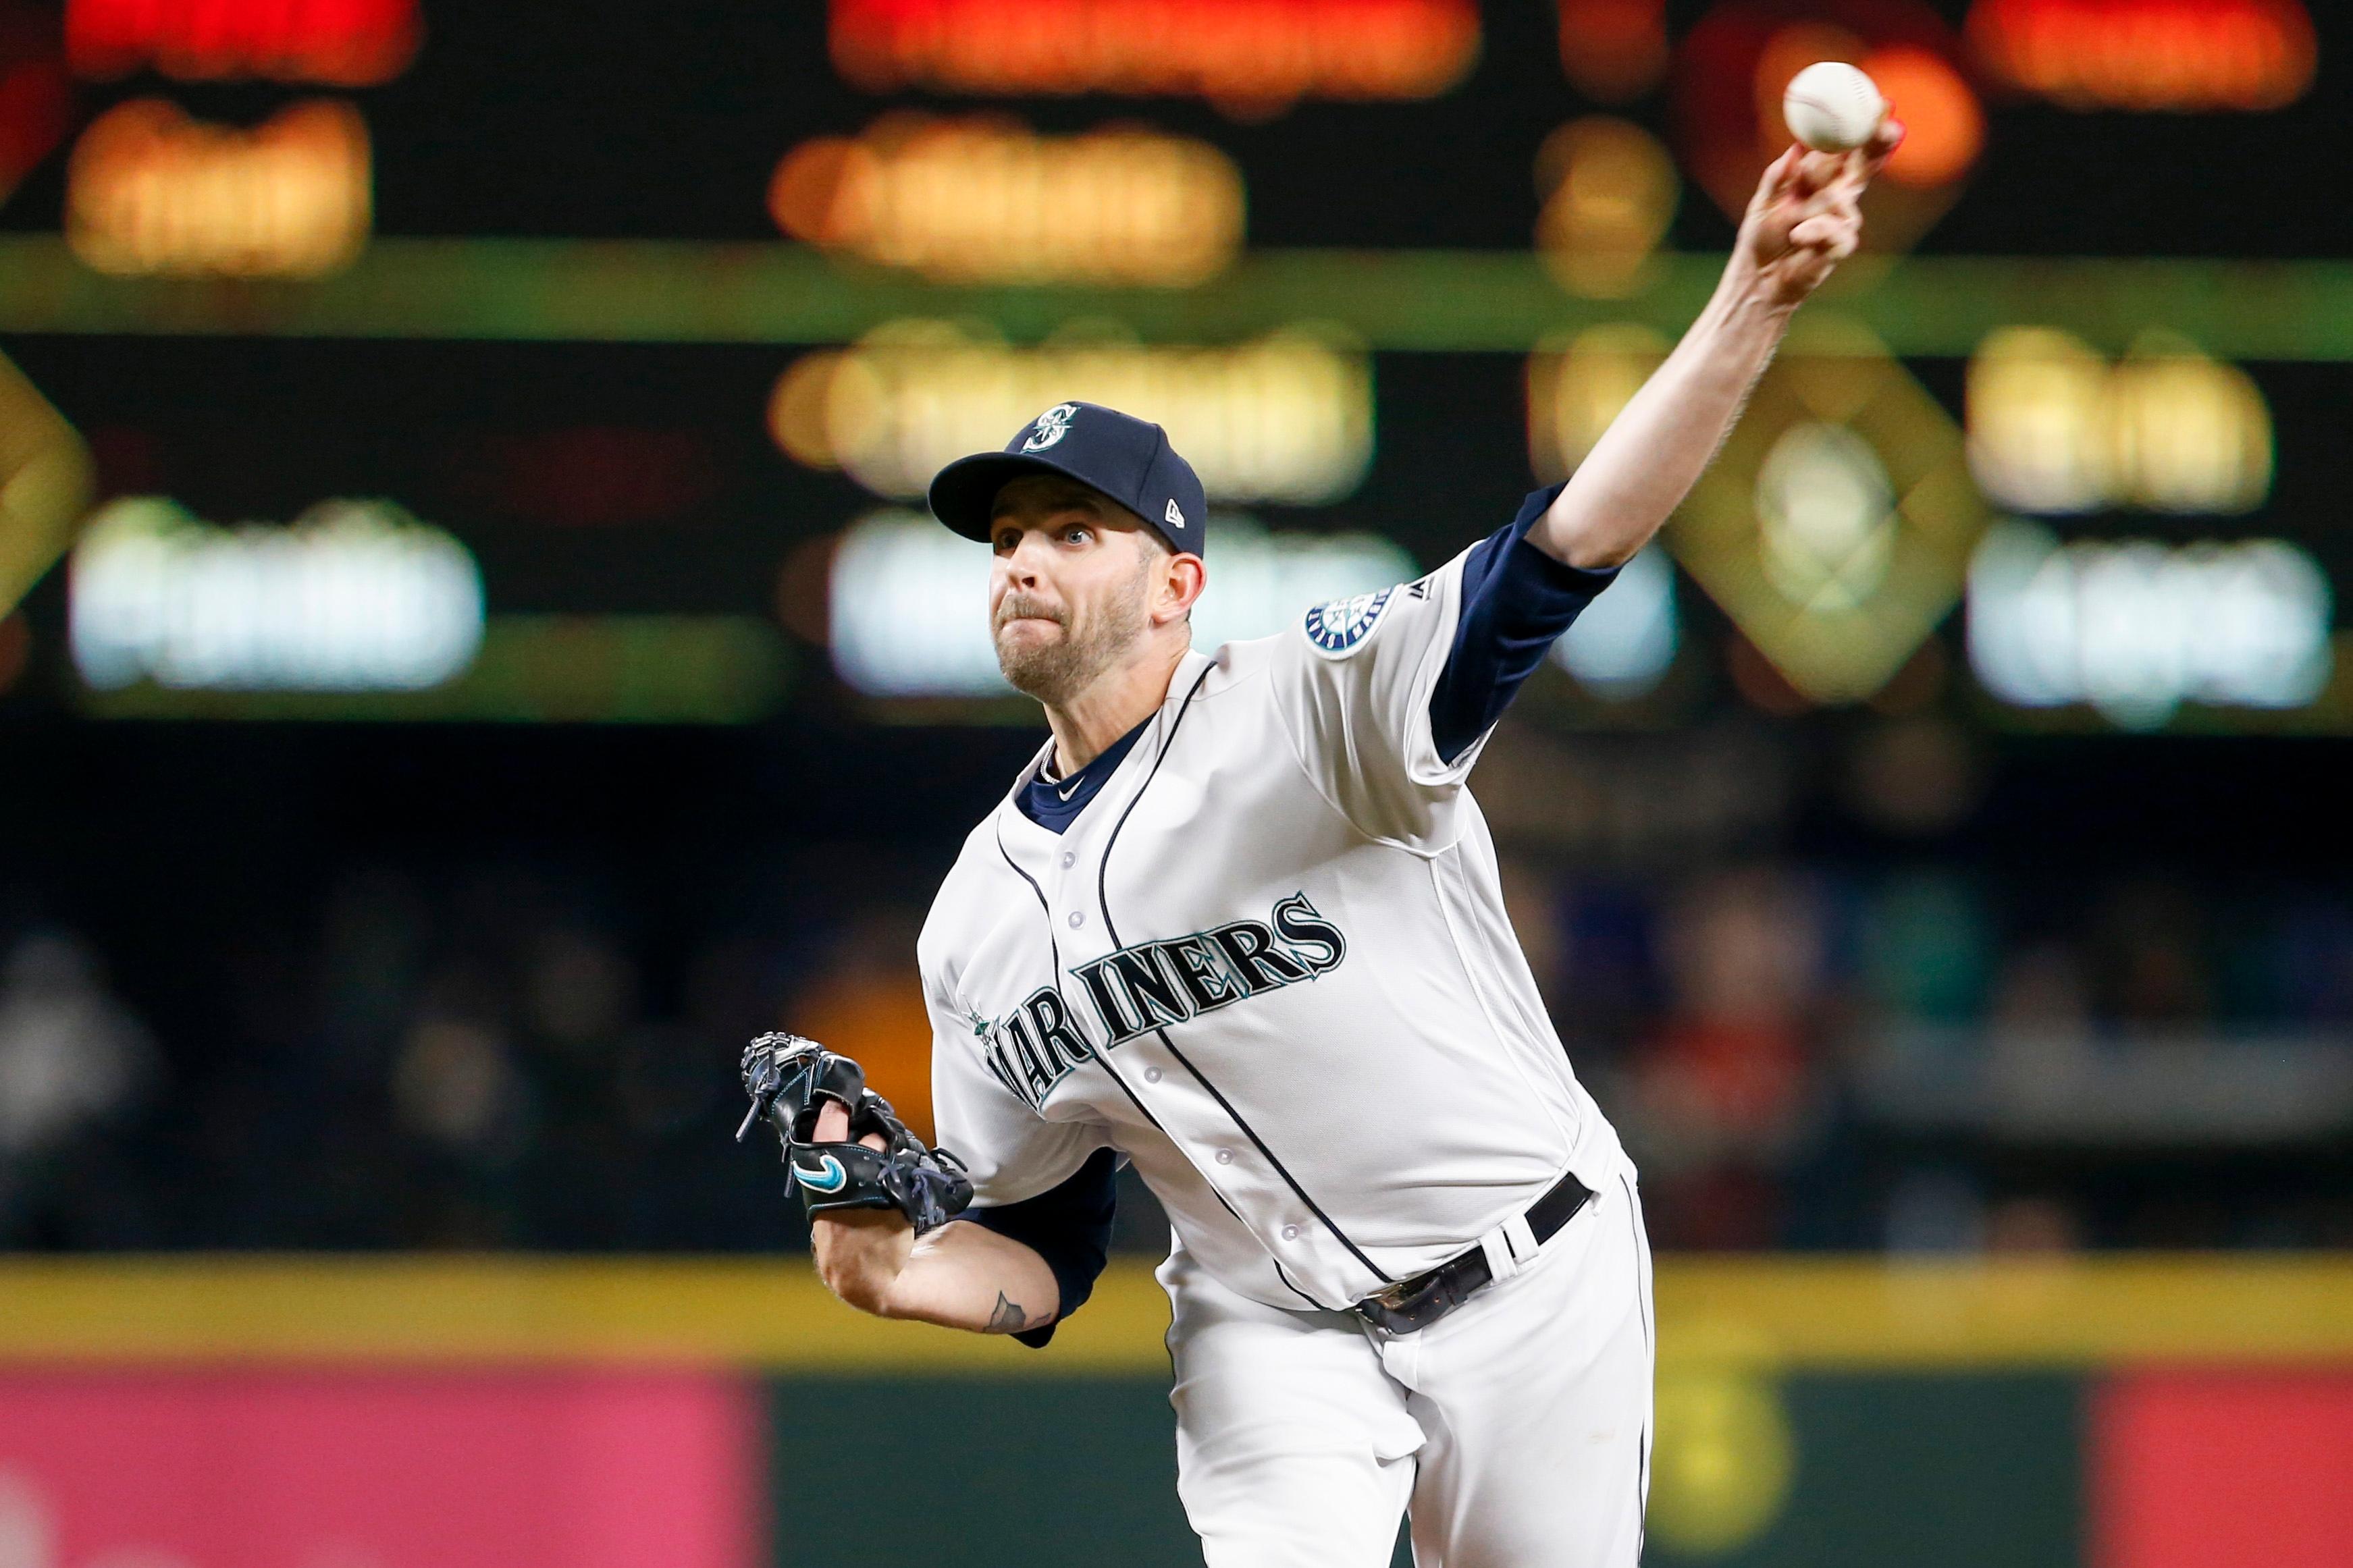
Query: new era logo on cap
(1127, 458)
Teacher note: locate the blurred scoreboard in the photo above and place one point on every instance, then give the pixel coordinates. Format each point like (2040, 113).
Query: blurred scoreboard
(588, 362)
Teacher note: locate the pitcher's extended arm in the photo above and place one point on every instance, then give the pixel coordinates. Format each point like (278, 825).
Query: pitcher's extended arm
(1803, 222)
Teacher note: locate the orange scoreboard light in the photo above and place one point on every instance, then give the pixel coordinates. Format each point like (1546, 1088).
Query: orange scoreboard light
(2180, 55)
(339, 43)
(1243, 54)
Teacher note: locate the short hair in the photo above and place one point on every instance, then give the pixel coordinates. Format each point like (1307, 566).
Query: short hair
(1158, 543)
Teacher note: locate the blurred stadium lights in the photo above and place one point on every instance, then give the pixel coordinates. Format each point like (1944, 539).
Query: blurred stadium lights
(1451, 301)
(2136, 628)
(1575, 392)
(46, 477)
(1725, 1463)
(1826, 518)
(1835, 527)
(37, 95)
(986, 200)
(355, 596)
(1944, 125)
(2054, 428)
(1732, 67)
(1624, 643)
(1288, 417)
(1613, 50)
(150, 189)
(338, 43)
(2179, 55)
(1609, 190)
(532, 669)
(1252, 58)
(908, 601)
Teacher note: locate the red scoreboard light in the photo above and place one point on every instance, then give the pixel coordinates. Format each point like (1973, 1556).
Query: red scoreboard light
(2181, 55)
(1250, 56)
(341, 43)
(1732, 68)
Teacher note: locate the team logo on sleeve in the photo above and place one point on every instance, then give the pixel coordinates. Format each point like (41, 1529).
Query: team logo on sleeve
(1337, 627)
(1052, 426)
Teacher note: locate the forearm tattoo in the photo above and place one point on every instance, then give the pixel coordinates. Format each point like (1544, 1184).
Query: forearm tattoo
(1007, 1318)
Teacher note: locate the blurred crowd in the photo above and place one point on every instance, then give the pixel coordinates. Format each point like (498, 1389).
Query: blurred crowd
(1799, 1057)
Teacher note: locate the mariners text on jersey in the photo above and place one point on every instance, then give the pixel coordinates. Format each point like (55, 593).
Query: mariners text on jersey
(1133, 991)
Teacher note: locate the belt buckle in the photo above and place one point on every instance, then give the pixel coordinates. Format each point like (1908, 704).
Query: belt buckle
(1408, 1298)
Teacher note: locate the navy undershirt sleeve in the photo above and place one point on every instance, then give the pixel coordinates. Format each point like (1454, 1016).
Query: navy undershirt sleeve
(1070, 1227)
(1516, 601)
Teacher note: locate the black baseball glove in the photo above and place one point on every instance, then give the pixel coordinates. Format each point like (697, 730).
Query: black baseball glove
(790, 1079)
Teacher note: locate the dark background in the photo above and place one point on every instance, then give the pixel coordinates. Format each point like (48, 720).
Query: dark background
(277, 909)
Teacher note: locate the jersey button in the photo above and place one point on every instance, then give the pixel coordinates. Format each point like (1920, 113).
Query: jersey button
(1152, 1075)
(1070, 858)
(1290, 1233)
(1225, 1156)
(1077, 919)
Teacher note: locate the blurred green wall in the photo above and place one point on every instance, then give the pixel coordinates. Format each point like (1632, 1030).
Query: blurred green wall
(1812, 1471)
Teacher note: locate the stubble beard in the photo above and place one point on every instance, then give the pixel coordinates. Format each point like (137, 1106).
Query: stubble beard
(1055, 671)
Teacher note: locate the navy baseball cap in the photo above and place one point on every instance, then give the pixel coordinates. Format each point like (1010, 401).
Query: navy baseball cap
(1127, 458)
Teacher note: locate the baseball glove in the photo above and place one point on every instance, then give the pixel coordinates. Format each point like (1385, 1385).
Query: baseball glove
(790, 1079)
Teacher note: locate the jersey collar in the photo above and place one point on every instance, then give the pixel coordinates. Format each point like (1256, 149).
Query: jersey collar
(1149, 737)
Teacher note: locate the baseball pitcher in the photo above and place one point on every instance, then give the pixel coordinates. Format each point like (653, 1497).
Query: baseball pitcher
(1239, 922)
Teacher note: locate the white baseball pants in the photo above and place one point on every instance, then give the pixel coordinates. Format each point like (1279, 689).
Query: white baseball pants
(1515, 1430)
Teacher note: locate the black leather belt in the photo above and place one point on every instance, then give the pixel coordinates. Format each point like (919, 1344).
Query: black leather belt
(1416, 1303)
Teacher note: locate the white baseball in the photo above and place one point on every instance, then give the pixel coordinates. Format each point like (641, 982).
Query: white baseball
(1832, 107)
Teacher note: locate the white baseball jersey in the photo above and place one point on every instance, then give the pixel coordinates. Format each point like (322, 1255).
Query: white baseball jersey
(1270, 964)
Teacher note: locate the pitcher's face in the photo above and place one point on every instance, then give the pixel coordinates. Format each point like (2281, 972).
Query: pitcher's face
(1070, 590)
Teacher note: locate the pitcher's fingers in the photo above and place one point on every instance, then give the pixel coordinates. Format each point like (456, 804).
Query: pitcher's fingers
(1774, 181)
(1880, 147)
(832, 1123)
(1818, 171)
(1837, 201)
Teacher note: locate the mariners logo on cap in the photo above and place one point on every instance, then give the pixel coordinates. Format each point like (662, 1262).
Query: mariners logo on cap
(1337, 627)
(1052, 426)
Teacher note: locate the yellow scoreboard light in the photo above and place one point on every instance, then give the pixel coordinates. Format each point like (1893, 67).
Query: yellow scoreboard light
(1609, 190)
(1251, 56)
(1837, 524)
(1287, 417)
(46, 477)
(986, 200)
(1576, 389)
(2055, 428)
(150, 189)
